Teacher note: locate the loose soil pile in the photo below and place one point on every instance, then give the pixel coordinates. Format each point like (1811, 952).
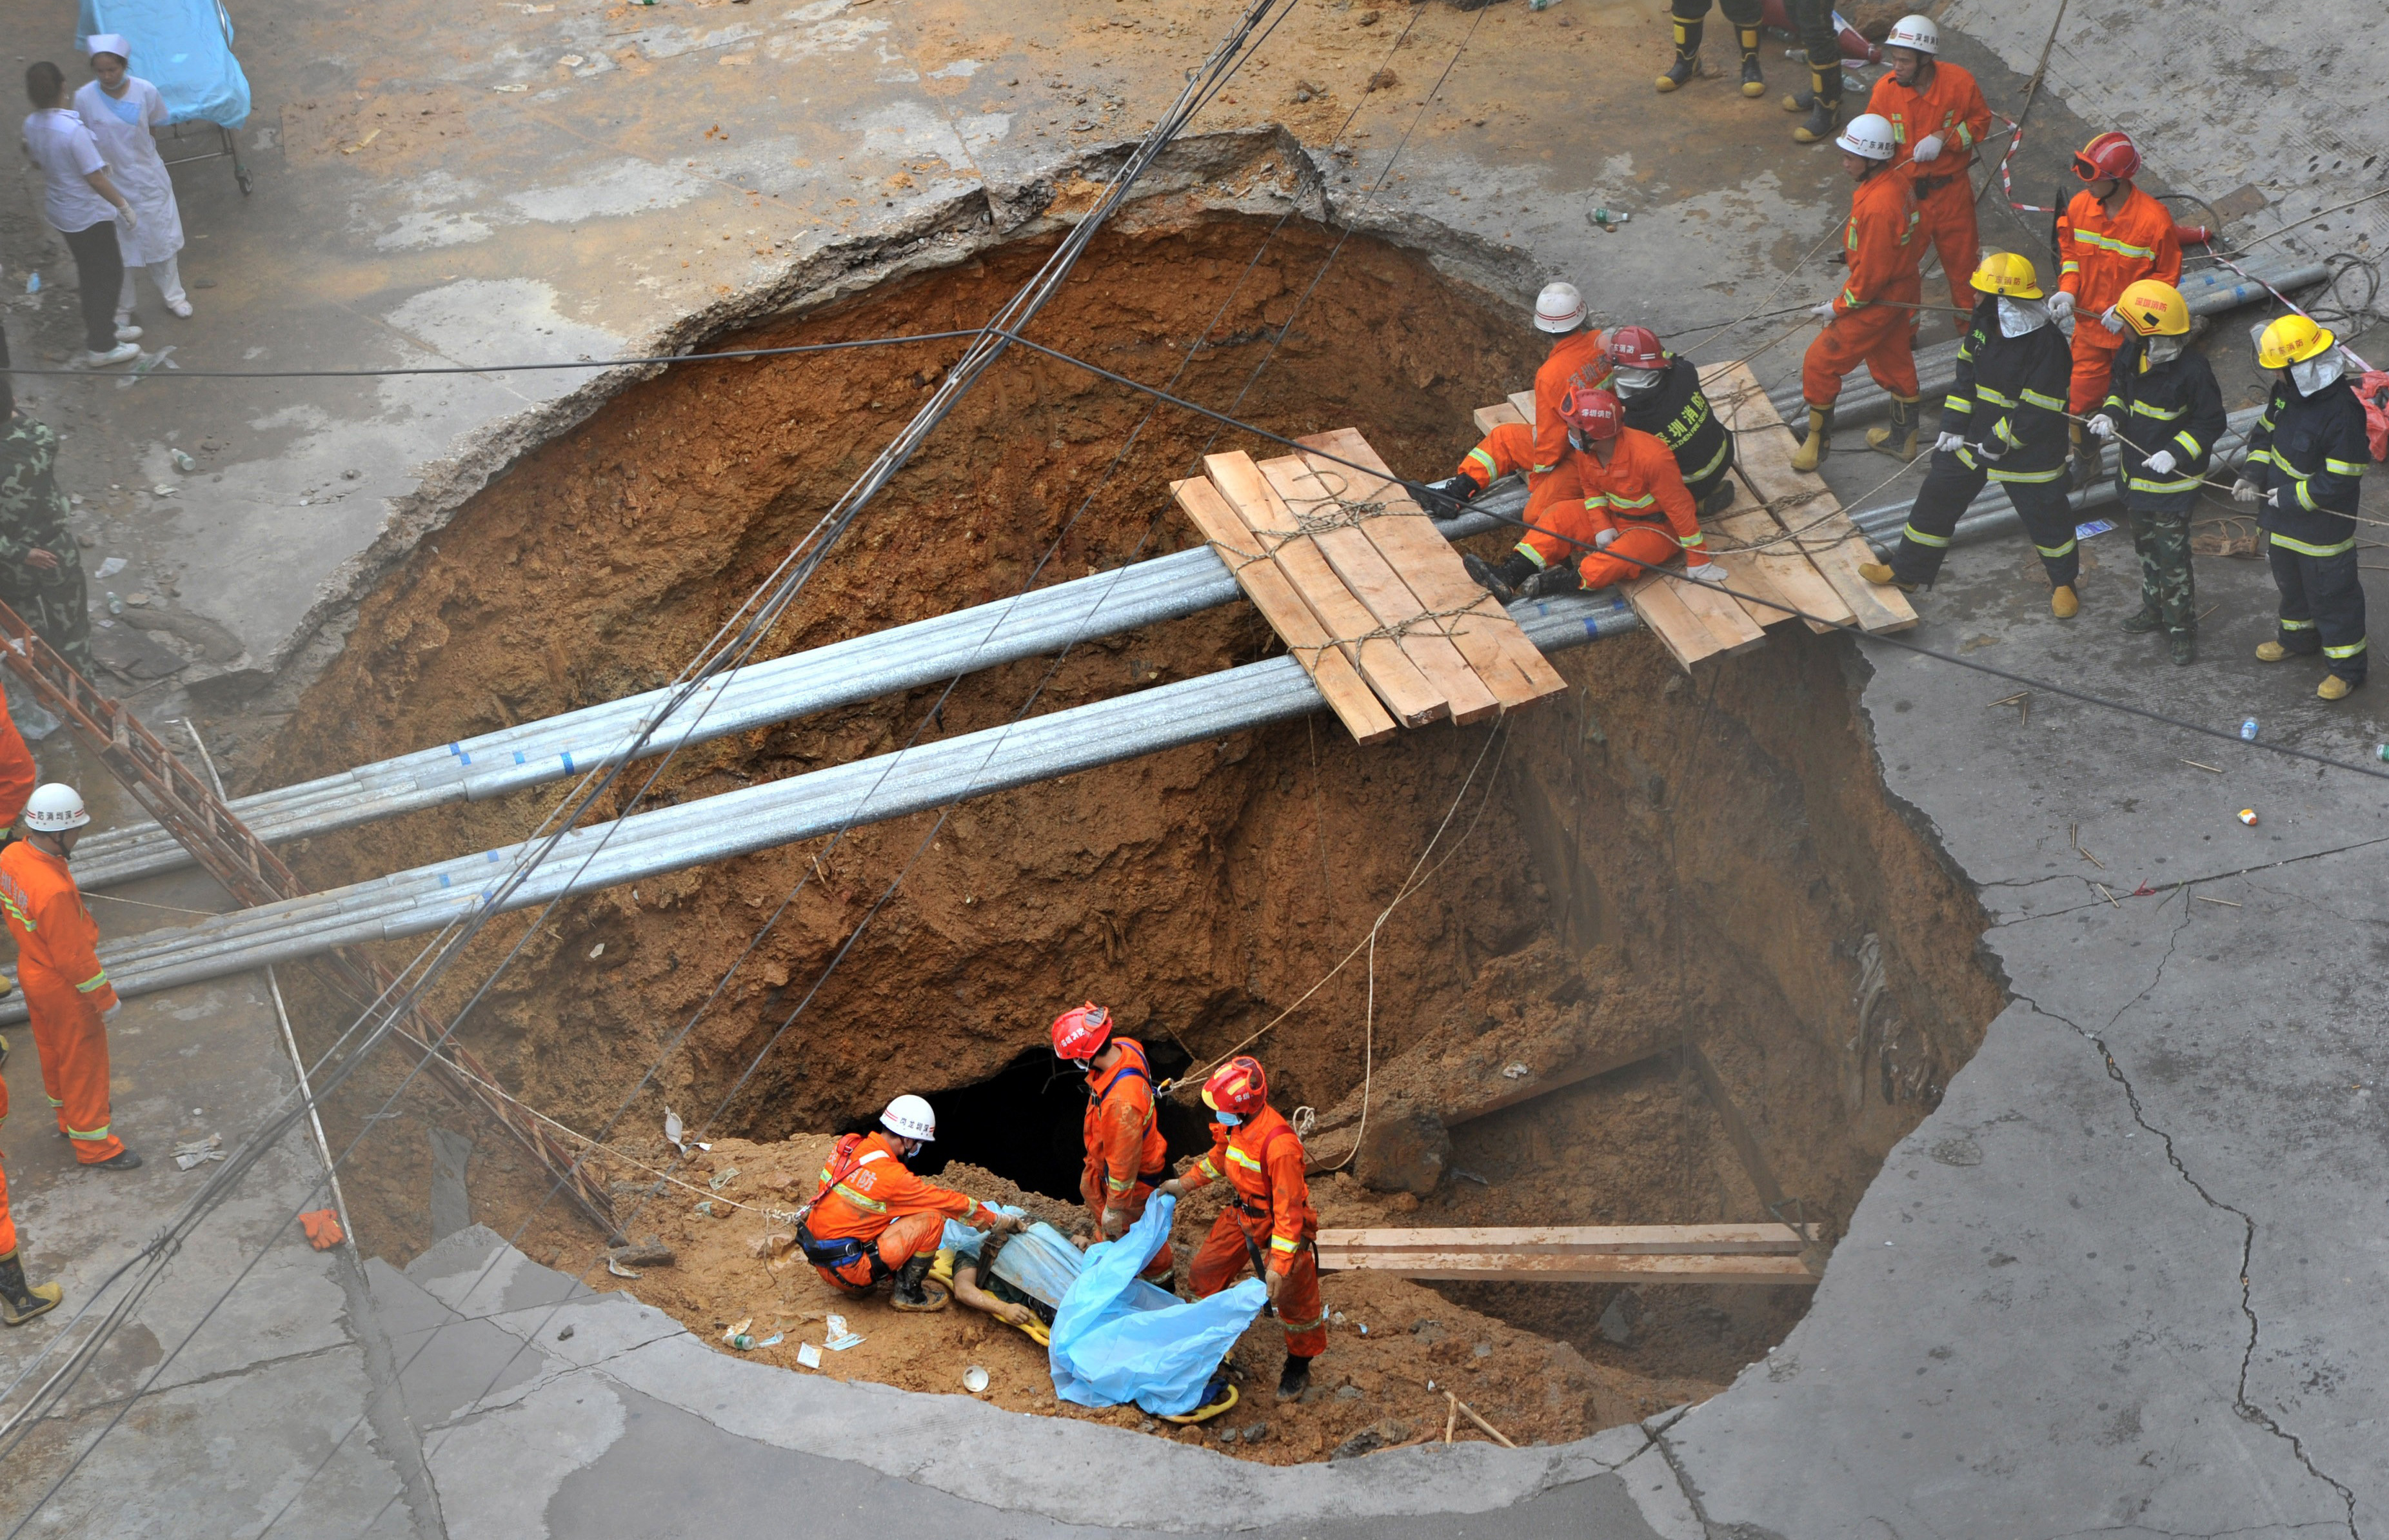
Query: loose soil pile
(1648, 861)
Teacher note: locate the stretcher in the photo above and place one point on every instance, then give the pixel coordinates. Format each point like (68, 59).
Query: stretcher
(184, 47)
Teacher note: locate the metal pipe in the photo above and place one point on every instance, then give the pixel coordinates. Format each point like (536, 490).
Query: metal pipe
(779, 812)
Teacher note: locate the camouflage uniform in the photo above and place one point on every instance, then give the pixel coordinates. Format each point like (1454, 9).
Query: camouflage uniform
(2175, 407)
(2168, 588)
(33, 516)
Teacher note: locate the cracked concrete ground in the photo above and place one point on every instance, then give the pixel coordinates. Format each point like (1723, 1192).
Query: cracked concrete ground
(2127, 1280)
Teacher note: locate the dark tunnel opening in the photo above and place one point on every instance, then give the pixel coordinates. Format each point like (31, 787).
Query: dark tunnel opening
(1025, 1121)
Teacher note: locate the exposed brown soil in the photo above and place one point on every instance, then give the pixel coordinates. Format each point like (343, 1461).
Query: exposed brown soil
(1649, 859)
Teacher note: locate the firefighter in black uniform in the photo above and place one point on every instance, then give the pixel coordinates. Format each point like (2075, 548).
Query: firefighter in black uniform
(2005, 421)
(1662, 396)
(2306, 463)
(2164, 412)
(1690, 17)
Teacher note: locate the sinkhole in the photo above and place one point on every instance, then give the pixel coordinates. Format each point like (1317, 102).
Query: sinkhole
(1696, 884)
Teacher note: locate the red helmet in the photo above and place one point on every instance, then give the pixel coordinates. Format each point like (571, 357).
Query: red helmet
(1238, 1086)
(1079, 1035)
(1591, 413)
(1637, 347)
(2111, 154)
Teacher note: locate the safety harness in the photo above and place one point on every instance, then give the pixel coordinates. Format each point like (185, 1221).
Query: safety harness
(844, 1253)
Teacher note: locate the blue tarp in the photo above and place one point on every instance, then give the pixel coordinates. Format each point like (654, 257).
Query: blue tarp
(183, 47)
(1116, 1340)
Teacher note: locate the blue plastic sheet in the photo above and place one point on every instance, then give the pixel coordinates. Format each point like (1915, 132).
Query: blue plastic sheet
(183, 47)
(1116, 1340)
(964, 1241)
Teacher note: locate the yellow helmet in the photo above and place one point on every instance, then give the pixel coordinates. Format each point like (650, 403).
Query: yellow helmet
(2007, 273)
(2291, 339)
(2155, 307)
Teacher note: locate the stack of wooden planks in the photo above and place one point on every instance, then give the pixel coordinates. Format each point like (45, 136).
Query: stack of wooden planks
(1577, 1254)
(1362, 588)
(1785, 542)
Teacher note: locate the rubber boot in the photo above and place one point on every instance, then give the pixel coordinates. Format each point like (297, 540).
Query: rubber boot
(913, 1290)
(2272, 652)
(1292, 1379)
(2185, 646)
(2064, 602)
(1812, 448)
(1721, 498)
(19, 1303)
(1824, 106)
(1897, 438)
(2335, 688)
(1563, 578)
(2141, 623)
(1688, 56)
(1490, 577)
(1753, 82)
(1881, 574)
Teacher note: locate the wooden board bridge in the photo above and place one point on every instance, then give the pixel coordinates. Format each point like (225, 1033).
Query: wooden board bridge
(1577, 1254)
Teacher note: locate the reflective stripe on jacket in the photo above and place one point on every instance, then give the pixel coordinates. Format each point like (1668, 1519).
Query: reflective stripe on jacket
(875, 1188)
(56, 937)
(1123, 1139)
(2100, 255)
(1262, 1160)
(2313, 449)
(2174, 406)
(2010, 397)
(1878, 242)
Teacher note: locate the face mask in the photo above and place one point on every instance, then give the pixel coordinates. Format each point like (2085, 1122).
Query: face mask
(1231, 1119)
(2317, 372)
(2019, 317)
(2160, 350)
(1576, 441)
(1636, 382)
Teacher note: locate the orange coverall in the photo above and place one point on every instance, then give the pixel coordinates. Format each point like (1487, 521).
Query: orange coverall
(1585, 353)
(66, 989)
(1952, 107)
(17, 772)
(1126, 1154)
(879, 1201)
(1883, 246)
(1640, 493)
(1262, 1160)
(7, 1225)
(1511, 447)
(2098, 256)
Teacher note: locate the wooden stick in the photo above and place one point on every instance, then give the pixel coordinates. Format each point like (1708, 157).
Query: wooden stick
(2007, 700)
(2104, 894)
(1451, 1417)
(1470, 1412)
(2225, 902)
(2195, 765)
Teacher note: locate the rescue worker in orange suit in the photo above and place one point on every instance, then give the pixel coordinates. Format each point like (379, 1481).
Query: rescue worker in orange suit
(20, 1301)
(1618, 509)
(67, 992)
(1126, 1153)
(1937, 116)
(1872, 319)
(1662, 396)
(1691, 18)
(2306, 459)
(1578, 355)
(874, 1219)
(1268, 1221)
(2111, 235)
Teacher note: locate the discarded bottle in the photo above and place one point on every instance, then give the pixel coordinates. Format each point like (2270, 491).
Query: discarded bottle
(1610, 219)
(2381, 752)
(2248, 730)
(115, 605)
(32, 283)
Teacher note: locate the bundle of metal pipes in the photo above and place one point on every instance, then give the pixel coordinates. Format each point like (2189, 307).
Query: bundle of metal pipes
(757, 818)
(2210, 291)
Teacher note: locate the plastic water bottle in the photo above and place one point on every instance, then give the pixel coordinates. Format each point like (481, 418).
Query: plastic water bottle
(32, 283)
(2381, 753)
(115, 605)
(2248, 730)
(1610, 219)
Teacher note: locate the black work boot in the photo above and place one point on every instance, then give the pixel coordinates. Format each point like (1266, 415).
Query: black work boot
(2185, 645)
(1688, 56)
(914, 1291)
(1563, 578)
(2147, 619)
(19, 1303)
(1506, 581)
(1292, 1379)
(1824, 106)
(1753, 82)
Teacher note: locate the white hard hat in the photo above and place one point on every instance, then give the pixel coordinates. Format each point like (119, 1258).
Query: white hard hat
(906, 1117)
(1914, 32)
(1559, 308)
(56, 808)
(1868, 134)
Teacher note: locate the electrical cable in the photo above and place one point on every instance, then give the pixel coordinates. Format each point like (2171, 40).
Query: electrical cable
(175, 371)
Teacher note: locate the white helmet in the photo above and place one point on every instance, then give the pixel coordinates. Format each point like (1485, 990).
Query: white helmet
(1559, 308)
(1914, 32)
(907, 1117)
(55, 809)
(1868, 134)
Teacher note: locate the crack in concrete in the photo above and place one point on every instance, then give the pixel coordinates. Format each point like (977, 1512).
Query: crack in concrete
(70, 1413)
(2247, 1410)
(2166, 892)
(556, 1371)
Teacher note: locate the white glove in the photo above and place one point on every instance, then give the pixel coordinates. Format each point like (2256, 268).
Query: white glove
(1949, 443)
(132, 220)
(1601, 541)
(2100, 428)
(1928, 149)
(2244, 490)
(2272, 497)
(2112, 321)
(1711, 574)
(1823, 311)
(2161, 462)
(2060, 305)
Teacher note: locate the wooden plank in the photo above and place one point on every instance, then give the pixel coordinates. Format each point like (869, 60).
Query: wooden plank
(1347, 693)
(1765, 1238)
(1801, 501)
(1475, 1266)
(1690, 620)
(1514, 667)
(1397, 680)
(1523, 403)
(1792, 577)
(1378, 584)
(1491, 417)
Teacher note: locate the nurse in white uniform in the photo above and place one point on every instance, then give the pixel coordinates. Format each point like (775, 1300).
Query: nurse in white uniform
(120, 109)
